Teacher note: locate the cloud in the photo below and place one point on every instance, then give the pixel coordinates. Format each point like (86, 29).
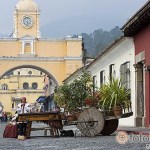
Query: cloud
(65, 16)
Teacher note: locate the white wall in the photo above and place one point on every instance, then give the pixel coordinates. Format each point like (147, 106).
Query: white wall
(120, 52)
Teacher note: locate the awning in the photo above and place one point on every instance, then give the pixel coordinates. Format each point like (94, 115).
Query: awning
(43, 99)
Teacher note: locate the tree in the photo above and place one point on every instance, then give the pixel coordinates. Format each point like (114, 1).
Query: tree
(73, 95)
(99, 40)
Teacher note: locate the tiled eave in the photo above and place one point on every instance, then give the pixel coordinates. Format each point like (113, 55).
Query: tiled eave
(138, 21)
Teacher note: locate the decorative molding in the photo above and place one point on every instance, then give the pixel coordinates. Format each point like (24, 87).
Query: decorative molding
(140, 57)
(33, 57)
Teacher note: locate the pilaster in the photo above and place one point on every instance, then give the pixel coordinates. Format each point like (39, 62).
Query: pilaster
(139, 94)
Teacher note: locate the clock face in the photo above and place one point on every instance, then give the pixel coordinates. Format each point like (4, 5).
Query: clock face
(27, 22)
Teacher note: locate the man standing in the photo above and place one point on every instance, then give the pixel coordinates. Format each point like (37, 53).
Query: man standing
(23, 107)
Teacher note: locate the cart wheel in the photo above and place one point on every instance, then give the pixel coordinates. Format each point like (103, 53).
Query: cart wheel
(110, 127)
(90, 122)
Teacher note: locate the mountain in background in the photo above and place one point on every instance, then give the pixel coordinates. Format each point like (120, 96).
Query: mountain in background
(99, 40)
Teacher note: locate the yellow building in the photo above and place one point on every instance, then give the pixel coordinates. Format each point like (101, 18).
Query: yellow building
(58, 58)
(22, 82)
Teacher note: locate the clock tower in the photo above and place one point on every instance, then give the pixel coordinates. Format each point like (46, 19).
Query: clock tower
(26, 19)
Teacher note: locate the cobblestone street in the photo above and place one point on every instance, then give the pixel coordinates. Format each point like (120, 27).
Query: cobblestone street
(37, 142)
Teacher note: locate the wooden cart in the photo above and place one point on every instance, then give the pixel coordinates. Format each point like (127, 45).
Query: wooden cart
(52, 119)
(90, 122)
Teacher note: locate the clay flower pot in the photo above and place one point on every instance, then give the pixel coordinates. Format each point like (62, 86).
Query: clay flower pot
(117, 111)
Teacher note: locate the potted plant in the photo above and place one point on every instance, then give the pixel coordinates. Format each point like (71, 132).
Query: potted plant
(93, 99)
(114, 97)
(72, 95)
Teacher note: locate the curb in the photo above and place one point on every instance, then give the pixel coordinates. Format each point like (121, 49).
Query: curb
(135, 132)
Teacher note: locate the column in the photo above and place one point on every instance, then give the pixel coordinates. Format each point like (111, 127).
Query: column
(139, 94)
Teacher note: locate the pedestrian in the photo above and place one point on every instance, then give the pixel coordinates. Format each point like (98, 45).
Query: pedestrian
(5, 117)
(23, 107)
(1, 118)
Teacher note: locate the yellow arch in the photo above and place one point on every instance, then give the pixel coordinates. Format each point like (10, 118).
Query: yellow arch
(33, 67)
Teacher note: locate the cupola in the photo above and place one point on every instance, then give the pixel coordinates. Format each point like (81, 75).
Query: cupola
(27, 5)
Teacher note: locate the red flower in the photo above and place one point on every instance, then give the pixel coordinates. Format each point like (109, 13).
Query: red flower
(88, 101)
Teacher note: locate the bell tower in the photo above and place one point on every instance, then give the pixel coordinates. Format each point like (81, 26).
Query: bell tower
(26, 19)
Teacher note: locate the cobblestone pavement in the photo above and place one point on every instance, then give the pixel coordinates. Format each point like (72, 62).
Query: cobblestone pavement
(37, 142)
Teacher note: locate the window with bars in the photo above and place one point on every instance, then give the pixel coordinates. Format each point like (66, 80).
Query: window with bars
(94, 83)
(34, 85)
(102, 77)
(112, 72)
(4, 87)
(25, 85)
(125, 75)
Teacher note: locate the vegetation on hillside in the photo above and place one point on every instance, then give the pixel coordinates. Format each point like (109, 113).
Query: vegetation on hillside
(97, 41)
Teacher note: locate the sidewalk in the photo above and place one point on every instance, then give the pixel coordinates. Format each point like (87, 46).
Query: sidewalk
(135, 130)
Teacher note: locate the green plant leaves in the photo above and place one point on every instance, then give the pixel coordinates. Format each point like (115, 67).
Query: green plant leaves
(114, 94)
(74, 94)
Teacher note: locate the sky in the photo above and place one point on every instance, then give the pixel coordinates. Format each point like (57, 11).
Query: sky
(60, 18)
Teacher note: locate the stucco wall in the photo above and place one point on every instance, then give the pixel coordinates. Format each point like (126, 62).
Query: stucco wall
(142, 43)
(122, 52)
(9, 47)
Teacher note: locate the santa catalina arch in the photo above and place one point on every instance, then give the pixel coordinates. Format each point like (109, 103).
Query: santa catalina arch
(33, 67)
(60, 57)
(26, 48)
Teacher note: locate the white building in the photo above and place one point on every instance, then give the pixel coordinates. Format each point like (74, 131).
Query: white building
(116, 61)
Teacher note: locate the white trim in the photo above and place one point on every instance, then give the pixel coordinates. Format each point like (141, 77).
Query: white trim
(72, 58)
(24, 57)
